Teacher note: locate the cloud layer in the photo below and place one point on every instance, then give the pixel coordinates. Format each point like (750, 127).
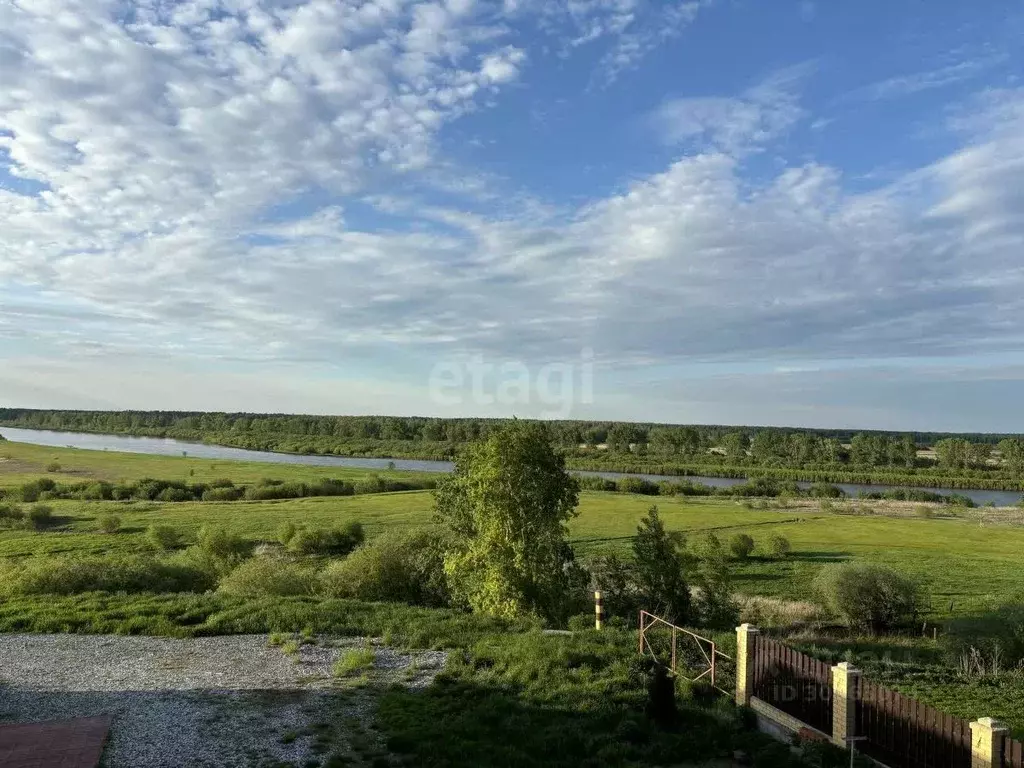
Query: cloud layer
(191, 181)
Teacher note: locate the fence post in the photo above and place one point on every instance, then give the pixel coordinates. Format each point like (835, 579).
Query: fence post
(746, 636)
(598, 611)
(987, 737)
(844, 702)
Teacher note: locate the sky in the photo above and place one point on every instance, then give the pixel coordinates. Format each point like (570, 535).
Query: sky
(798, 213)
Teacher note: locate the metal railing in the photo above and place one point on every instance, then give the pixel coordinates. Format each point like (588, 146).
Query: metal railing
(688, 653)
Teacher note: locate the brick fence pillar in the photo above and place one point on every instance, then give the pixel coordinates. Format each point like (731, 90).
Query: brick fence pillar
(844, 702)
(987, 743)
(746, 636)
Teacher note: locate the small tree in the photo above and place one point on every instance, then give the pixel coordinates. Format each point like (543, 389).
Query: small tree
(714, 605)
(659, 569)
(108, 523)
(741, 545)
(779, 546)
(868, 597)
(162, 537)
(224, 546)
(40, 516)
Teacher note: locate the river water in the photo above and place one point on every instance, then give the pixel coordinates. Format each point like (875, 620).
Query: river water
(168, 447)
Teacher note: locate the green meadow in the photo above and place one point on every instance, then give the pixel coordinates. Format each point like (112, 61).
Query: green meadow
(965, 566)
(958, 561)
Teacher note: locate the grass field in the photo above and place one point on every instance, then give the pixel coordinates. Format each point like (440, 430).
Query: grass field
(965, 565)
(972, 565)
(21, 462)
(969, 564)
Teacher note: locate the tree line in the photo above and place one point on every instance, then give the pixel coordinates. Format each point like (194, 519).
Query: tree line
(425, 437)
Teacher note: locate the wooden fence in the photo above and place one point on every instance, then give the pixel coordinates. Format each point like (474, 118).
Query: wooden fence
(1013, 753)
(793, 682)
(904, 733)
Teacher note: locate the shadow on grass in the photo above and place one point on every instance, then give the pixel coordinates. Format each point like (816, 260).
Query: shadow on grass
(823, 556)
(466, 722)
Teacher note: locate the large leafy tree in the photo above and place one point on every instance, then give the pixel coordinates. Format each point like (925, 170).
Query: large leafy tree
(507, 505)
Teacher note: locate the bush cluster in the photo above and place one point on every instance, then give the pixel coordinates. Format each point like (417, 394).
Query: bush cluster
(326, 541)
(761, 487)
(38, 517)
(868, 597)
(397, 566)
(149, 489)
(270, 577)
(123, 573)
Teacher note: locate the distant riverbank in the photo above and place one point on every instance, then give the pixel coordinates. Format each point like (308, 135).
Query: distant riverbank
(171, 447)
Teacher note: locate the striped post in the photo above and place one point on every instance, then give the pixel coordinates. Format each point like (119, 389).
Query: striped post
(598, 611)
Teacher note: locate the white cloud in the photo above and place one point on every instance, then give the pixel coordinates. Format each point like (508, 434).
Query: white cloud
(925, 80)
(627, 29)
(636, 40)
(759, 115)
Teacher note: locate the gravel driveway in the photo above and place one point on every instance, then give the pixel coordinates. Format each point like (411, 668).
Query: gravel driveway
(216, 701)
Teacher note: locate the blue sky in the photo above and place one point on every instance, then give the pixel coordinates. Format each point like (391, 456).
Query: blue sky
(801, 213)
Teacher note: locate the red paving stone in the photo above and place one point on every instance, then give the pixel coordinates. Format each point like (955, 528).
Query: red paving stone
(54, 744)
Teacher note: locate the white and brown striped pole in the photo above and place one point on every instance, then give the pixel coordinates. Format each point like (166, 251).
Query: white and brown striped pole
(598, 611)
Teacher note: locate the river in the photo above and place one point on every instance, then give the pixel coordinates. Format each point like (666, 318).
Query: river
(168, 447)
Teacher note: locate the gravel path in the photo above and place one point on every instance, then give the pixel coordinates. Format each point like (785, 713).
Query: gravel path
(216, 701)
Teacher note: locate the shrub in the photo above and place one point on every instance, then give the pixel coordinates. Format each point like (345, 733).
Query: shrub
(371, 484)
(222, 483)
(286, 532)
(327, 541)
(330, 487)
(31, 491)
(174, 494)
(132, 573)
(40, 516)
(595, 483)
(221, 545)
(741, 545)
(269, 577)
(122, 492)
(53, 466)
(108, 523)
(779, 546)
(162, 537)
(11, 515)
(397, 566)
(97, 492)
(959, 500)
(923, 511)
(638, 485)
(867, 596)
(223, 494)
(276, 490)
(824, 491)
